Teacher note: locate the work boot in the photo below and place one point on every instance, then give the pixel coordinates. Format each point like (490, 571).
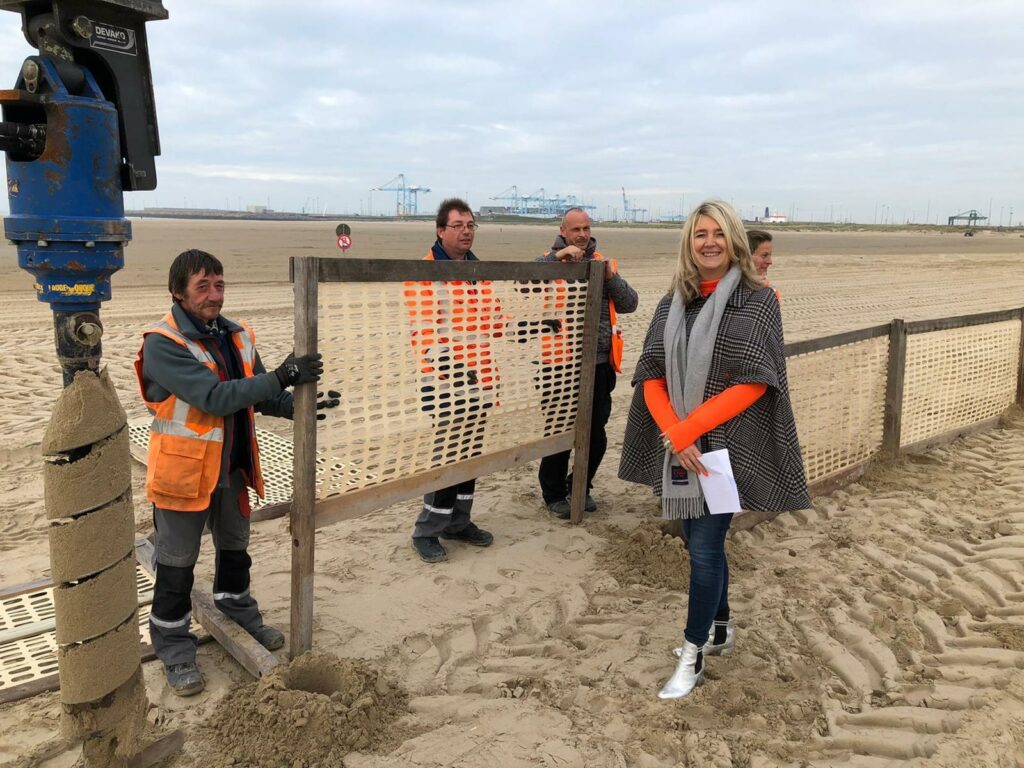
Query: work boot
(688, 675)
(429, 549)
(590, 505)
(560, 509)
(471, 534)
(721, 642)
(184, 679)
(269, 637)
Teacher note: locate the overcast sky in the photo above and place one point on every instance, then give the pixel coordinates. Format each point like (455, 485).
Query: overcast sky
(844, 110)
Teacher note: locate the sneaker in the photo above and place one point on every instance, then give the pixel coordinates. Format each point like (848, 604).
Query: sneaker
(471, 534)
(590, 505)
(269, 637)
(560, 509)
(184, 679)
(429, 549)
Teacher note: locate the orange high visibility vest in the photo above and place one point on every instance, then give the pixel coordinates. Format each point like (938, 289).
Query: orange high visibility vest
(460, 307)
(555, 346)
(186, 444)
(618, 343)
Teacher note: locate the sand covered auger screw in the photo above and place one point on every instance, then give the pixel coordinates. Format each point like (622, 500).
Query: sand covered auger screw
(72, 148)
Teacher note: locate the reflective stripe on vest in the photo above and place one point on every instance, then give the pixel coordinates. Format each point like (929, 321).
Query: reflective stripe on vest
(186, 444)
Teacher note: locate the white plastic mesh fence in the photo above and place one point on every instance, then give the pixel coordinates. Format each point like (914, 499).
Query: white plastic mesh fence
(838, 397)
(955, 378)
(434, 373)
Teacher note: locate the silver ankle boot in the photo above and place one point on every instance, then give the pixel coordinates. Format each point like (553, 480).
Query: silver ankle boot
(688, 675)
(711, 648)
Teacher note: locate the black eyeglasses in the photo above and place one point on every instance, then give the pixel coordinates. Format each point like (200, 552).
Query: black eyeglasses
(471, 226)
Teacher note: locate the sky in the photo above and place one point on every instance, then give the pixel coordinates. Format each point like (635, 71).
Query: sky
(891, 111)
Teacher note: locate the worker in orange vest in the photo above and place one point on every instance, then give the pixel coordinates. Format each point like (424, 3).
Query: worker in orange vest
(202, 379)
(575, 243)
(460, 377)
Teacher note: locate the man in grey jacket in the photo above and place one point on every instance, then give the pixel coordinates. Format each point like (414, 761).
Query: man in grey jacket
(575, 243)
(202, 379)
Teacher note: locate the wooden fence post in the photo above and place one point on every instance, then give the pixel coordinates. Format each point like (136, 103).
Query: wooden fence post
(893, 425)
(1020, 364)
(585, 399)
(302, 519)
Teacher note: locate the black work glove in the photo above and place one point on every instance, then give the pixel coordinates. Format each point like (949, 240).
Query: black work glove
(333, 400)
(555, 326)
(305, 369)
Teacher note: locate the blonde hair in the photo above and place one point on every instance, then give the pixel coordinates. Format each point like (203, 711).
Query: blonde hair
(686, 278)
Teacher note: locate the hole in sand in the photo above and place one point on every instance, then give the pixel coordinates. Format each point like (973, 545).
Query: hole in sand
(312, 679)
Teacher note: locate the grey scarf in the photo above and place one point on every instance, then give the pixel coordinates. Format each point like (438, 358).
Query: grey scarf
(686, 369)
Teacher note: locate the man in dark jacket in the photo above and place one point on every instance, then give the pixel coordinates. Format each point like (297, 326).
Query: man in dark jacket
(202, 379)
(574, 243)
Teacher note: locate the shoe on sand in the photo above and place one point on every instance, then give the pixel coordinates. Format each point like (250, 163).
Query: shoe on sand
(184, 679)
(471, 534)
(429, 549)
(270, 638)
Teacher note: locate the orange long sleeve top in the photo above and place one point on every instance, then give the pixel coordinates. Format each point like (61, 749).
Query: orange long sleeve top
(705, 417)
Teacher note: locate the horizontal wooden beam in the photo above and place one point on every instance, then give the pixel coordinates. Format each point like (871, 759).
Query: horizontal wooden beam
(920, 446)
(836, 340)
(825, 485)
(256, 659)
(346, 506)
(159, 750)
(962, 321)
(37, 585)
(341, 270)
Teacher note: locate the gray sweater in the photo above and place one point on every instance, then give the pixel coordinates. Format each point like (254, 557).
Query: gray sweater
(616, 289)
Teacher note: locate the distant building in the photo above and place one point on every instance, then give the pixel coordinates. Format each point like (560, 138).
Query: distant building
(772, 218)
(258, 209)
(495, 210)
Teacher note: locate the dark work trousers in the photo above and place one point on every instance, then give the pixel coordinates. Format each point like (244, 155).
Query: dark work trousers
(448, 510)
(554, 485)
(178, 537)
(709, 575)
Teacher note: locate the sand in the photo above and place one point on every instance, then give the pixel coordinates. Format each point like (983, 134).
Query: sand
(883, 627)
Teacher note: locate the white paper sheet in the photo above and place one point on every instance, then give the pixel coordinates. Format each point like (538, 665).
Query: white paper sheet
(719, 486)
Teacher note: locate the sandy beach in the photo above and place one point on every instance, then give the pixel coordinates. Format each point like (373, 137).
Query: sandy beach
(884, 627)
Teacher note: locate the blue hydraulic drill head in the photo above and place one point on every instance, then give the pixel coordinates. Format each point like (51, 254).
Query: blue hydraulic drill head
(79, 128)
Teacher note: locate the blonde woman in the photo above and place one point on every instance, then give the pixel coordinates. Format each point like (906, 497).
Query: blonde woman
(712, 374)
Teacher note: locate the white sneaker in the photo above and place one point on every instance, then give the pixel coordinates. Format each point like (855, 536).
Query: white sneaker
(710, 648)
(688, 675)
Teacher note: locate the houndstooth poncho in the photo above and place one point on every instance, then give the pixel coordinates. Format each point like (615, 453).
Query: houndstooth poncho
(762, 441)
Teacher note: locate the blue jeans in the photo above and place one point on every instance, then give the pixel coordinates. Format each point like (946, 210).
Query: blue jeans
(709, 575)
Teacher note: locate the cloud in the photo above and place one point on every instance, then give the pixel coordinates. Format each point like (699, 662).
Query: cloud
(778, 104)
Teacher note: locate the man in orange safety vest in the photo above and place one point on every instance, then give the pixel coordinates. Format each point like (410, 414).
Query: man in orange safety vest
(202, 380)
(460, 377)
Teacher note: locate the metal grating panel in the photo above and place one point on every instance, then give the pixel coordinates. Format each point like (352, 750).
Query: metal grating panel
(29, 658)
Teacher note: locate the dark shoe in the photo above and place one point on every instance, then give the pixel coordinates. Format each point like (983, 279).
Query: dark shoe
(478, 537)
(429, 549)
(560, 509)
(590, 505)
(185, 679)
(269, 637)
